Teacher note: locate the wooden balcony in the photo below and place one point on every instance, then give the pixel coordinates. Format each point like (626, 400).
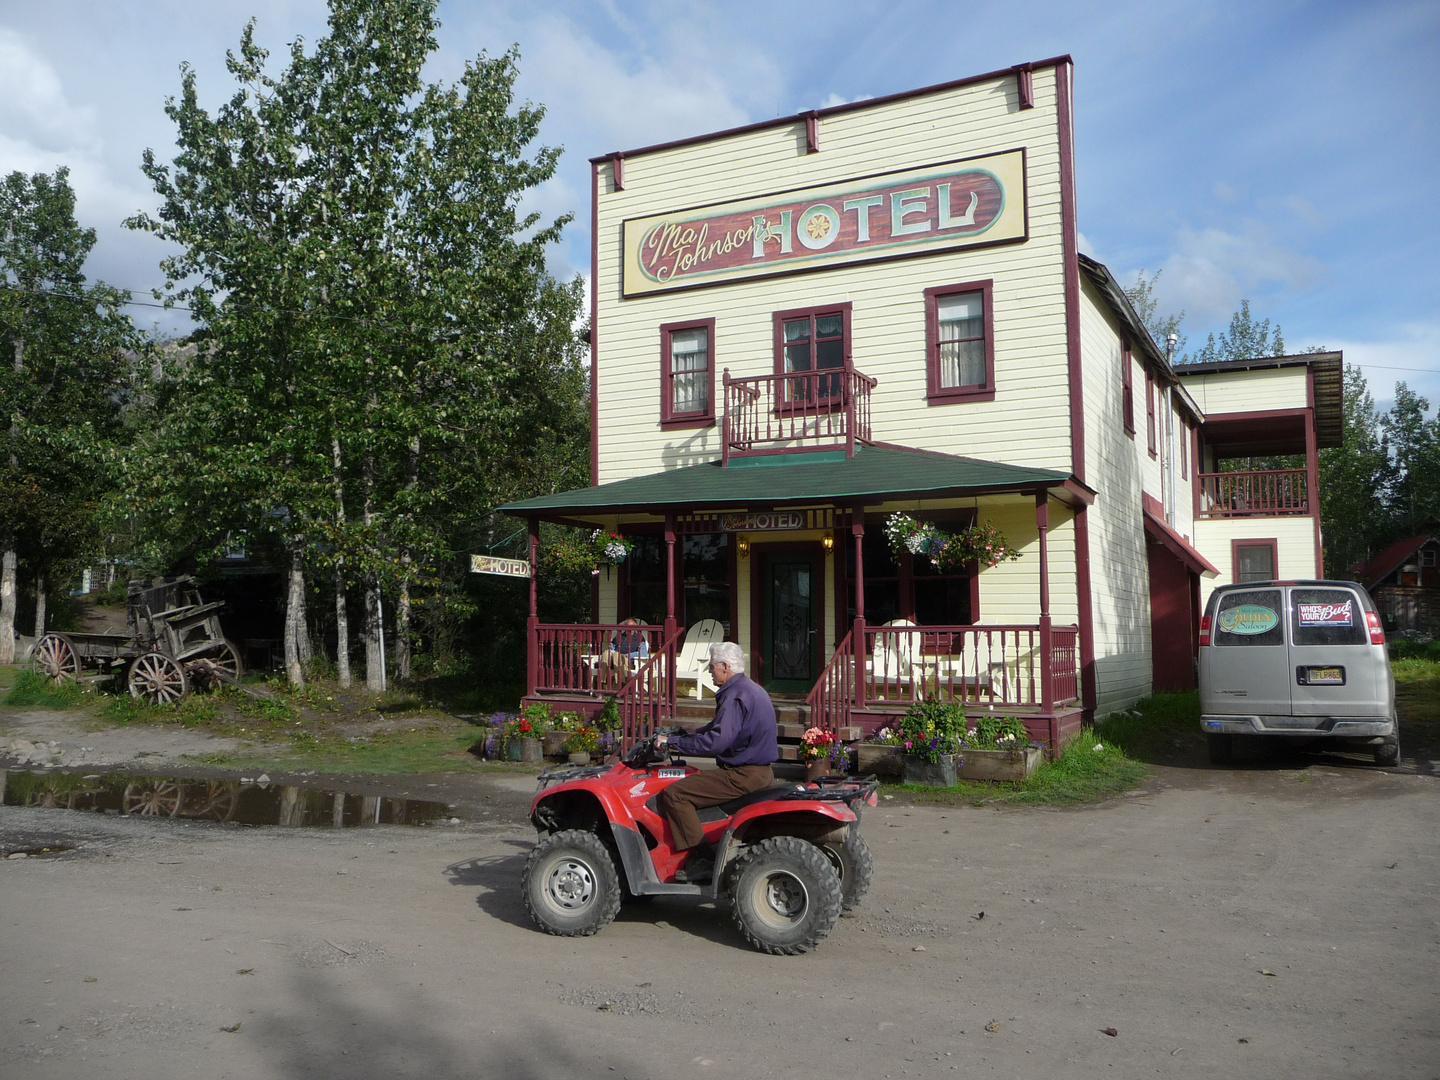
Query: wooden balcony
(807, 410)
(1262, 493)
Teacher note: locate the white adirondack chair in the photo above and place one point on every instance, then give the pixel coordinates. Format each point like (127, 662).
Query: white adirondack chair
(694, 660)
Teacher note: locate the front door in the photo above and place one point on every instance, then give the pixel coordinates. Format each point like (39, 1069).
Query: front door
(790, 620)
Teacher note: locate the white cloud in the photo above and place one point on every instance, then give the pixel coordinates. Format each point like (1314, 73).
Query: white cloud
(1412, 356)
(1213, 270)
(34, 110)
(834, 99)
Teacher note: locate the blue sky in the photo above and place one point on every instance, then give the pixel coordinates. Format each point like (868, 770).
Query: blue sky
(1287, 153)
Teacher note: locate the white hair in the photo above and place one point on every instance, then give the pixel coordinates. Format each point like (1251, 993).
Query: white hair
(728, 653)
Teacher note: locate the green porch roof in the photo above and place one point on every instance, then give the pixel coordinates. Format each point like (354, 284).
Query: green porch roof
(874, 473)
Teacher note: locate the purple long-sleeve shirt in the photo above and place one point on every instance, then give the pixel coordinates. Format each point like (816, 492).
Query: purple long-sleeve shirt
(743, 731)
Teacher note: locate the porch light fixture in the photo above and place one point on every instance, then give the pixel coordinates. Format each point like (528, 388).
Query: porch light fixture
(742, 547)
(828, 543)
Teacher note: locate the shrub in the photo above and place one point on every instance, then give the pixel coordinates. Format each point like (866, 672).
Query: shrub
(32, 688)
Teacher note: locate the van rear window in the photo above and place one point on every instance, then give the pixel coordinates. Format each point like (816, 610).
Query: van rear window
(1327, 617)
(1249, 618)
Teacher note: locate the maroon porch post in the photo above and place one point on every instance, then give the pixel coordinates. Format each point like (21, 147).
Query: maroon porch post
(725, 418)
(532, 624)
(857, 629)
(669, 575)
(1047, 659)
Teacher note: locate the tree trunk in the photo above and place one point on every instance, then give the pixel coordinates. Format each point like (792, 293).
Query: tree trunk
(402, 627)
(374, 649)
(7, 608)
(342, 617)
(303, 649)
(342, 628)
(295, 620)
(40, 588)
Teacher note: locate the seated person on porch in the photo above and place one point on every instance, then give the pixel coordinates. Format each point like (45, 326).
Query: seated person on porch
(743, 740)
(634, 645)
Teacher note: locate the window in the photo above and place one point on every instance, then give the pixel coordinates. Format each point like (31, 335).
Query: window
(1327, 617)
(941, 599)
(705, 572)
(687, 373)
(644, 580)
(1427, 557)
(1127, 392)
(1249, 618)
(1254, 560)
(1150, 409)
(882, 577)
(960, 343)
(813, 339)
(909, 587)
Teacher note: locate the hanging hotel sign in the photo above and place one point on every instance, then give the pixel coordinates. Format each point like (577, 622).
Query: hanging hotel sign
(779, 521)
(493, 564)
(980, 200)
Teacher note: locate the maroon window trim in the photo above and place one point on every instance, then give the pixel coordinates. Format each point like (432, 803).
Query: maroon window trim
(1150, 409)
(780, 318)
(1235, 546)
(1127, 393)
(935, 393)
(1184, 449)
(698, 418)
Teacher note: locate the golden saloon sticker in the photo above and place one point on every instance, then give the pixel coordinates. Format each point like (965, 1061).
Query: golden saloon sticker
(1248, 619)
(980, 200)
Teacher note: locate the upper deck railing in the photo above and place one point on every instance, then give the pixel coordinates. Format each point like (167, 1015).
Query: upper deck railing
(806, 410)
(1261, 493)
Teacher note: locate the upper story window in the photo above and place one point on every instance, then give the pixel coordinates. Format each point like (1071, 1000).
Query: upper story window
(808, 340)
(1150, 409)
(687, 373)
(960, 343)
(1127, 391)
(1427, 557)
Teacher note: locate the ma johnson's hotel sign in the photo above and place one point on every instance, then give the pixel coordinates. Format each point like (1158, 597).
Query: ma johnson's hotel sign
(981, 200)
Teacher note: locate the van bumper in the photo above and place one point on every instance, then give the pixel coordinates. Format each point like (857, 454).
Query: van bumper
(1342, 727)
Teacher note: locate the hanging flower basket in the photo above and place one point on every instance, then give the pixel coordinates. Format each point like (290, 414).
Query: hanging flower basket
(610, 547)
(982, 544)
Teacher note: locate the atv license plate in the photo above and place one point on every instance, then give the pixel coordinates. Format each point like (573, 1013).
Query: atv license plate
(1325, 676)
(670, 774)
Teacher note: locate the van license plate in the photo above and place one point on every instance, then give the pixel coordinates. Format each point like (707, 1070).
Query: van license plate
(1322, 676)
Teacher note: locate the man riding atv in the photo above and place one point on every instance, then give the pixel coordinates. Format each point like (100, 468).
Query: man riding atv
(742, 741)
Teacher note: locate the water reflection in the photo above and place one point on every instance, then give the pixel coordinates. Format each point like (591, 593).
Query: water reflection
(213, 800)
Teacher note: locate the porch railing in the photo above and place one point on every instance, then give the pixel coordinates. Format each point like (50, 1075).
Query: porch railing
(810, 410)
(999, 666)
(1259, 493)
(590, 658)
(830, 699)
(648, 696)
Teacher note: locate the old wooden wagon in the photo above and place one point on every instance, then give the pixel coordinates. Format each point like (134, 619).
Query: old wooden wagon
(173, 642)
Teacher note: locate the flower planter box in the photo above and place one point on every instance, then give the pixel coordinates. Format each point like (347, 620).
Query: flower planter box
(879, 758)
(523, 750)
(916, 770)
(553, 743)
(817, 768)
(997, 764)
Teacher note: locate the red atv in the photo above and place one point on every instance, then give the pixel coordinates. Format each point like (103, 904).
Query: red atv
(789, 857)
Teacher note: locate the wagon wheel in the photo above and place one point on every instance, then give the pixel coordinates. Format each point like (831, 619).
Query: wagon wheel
(215, 799)
(153, 798)
(158, 679)
(55, 657)
(221, 664)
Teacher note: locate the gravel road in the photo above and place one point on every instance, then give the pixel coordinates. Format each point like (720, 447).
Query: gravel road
(1261, 921)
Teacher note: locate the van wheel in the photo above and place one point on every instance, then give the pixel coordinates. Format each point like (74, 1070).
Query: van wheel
(571, 887)
(1388, 752)
(1221, 749)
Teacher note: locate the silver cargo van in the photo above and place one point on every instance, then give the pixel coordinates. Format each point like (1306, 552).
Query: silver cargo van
(1296, 659)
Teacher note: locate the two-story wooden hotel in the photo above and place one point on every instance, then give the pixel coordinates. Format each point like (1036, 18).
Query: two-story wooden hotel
(805, 325)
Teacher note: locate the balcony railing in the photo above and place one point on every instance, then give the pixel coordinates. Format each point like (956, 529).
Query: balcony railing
(1262, 493)
(808, 410)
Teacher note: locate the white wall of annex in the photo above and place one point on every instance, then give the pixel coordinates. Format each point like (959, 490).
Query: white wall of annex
(1295, 537)
(1026, 424)
(1118, 466)
(1249, 391)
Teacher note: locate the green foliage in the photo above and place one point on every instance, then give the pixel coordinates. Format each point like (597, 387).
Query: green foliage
(1402, 649)
(932, 729)
(1142, 298)
(997, 732)
(1245, 339)
(609, 718)
(34, 690)
(1352, 482)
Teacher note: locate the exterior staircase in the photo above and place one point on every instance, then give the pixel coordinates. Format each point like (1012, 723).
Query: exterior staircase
(792, 717)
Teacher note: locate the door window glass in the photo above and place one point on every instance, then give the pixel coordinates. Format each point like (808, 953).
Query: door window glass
(706, 572)
(1249, 618)
(1327, 617)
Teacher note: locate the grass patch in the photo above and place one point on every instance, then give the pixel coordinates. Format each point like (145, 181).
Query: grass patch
(1157, 727)
(435, 747)
(34, 690)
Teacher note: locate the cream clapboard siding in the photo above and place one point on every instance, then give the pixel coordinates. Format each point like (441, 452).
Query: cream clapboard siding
(1010, 592)
(1249, 391)
(1027, 423)
(1184, 520)
(1295, 537)
(1116, 465)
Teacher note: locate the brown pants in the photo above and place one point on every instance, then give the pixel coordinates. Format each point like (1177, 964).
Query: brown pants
(680, 800)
